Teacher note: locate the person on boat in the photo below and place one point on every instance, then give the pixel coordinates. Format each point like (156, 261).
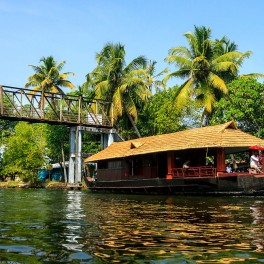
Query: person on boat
(228, 168)
(186, 164)
(254, 162)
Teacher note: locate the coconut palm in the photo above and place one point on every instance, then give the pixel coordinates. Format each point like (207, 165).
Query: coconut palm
(114, 80)
(47, 76)
(204, 65)
(224, 45)
(151, 77)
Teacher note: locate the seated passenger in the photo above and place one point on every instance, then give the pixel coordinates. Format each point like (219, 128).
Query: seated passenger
(186, 164)
(228, 168)
(254, 162)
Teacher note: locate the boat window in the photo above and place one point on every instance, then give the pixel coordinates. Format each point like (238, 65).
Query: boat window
(102, 164)
(114, 164)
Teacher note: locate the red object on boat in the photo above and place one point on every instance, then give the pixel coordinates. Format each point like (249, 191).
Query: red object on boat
(257, 147)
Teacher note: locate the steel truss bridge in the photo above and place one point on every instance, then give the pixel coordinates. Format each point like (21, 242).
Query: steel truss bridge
(37, 106)
(77, 112)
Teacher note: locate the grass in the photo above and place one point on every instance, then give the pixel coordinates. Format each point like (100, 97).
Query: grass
(47, 185)
(13, 184)
(54, 185)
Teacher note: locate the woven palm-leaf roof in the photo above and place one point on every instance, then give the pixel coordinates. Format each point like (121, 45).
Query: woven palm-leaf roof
(225, 135)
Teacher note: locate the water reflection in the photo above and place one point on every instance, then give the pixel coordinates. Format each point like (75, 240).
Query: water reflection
(78, 227)
(73, 221)
(257, 232)
(174, 228)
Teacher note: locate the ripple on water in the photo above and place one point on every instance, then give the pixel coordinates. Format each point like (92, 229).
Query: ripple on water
(17, 249)
(78, 227)
(80, 256)
(18, 238)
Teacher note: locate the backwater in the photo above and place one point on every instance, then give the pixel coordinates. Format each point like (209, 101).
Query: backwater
(63, 226)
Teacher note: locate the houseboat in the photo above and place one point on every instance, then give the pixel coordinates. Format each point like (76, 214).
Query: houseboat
(155, 164)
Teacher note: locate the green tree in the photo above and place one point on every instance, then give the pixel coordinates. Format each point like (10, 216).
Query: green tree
(121, 83)
(83, 90)
(24, 151)
(91, 143)
(57, 137)
(47, 76)
(159, 115)
(244, 105)
(152, 81)
(204, 64)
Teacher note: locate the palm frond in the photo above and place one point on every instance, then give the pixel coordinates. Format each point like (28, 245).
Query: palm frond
(231, 56)
(101, 89)
(37, 69)
(117, 102)
(131, 107)
(217, 82)
(183, 93)
(252, 75)
(179, 61)
(182, 73)
(225, 66)
(166, 70)
(180, 51)
(65, 83)
(137, 63)
(208, 102)
(61, 65)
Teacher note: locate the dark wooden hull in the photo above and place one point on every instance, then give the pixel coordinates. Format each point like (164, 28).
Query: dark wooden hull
(231, 185)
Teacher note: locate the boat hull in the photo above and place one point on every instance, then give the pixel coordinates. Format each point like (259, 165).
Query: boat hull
(232, 185)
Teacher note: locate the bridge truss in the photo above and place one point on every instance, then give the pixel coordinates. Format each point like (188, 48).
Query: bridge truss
(77, 112)
(37, 106)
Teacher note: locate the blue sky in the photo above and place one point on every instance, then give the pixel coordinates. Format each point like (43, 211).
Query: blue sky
(75, 30)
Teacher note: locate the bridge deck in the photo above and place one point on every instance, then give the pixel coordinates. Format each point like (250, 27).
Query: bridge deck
(39, 107)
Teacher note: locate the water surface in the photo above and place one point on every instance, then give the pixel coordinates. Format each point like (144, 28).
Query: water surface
(47, 226)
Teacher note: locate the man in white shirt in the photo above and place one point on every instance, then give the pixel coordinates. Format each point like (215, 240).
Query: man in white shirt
(254, 161)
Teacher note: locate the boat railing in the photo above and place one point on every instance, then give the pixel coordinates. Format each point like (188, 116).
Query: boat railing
(194, 172)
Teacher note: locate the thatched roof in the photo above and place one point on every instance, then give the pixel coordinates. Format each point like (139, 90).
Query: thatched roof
(225, 135)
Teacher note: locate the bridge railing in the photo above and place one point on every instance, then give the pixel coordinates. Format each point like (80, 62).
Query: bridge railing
(38, 106)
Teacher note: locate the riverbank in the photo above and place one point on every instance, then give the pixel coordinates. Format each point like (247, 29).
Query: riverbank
(47, 185)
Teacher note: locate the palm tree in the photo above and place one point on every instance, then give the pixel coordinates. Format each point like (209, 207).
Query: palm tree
(224, 45)
(206, 66)
(151, 77)
(47, 76)
(114, 80)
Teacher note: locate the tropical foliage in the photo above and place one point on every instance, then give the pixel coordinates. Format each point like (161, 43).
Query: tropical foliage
(47, 76)
(115, 80)
(159, 115)
(24, 152)
(57, 138)
(244, 105)
(152, 80)
(206, 66)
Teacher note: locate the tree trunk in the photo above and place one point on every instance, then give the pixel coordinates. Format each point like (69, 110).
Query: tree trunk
(64, 166)
(132, 123)
(205, 118)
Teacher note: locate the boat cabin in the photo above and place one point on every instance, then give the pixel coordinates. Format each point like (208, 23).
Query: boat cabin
(162, 157)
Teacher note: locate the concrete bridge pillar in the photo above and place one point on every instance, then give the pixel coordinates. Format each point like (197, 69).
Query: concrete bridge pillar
(107, 139)
(108, 136)
(75, 159)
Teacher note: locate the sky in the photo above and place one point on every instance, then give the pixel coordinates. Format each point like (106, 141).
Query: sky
(75, 30)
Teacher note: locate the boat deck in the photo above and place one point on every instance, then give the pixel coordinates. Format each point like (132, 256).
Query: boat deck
(208, 172)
